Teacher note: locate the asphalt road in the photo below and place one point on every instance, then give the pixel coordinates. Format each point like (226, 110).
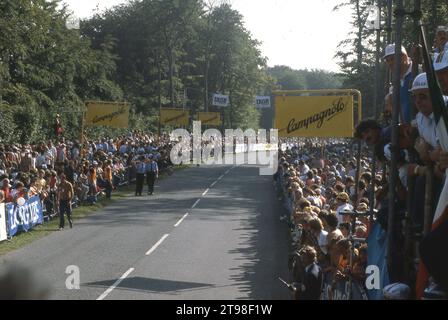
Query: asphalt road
(209, 232)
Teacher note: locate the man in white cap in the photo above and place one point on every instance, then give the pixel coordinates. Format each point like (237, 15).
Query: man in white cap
(441, 69)
(441, 39)
(428, 146)
(405, 77)
(425, 117)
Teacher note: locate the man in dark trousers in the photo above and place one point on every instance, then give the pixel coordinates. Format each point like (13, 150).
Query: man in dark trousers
(152, 173)
(311, 287)
(140, 171)
(65, 196)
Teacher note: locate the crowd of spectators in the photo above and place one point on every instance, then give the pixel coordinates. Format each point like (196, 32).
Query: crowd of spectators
(332, 213)
(316, 183)
(96, 170)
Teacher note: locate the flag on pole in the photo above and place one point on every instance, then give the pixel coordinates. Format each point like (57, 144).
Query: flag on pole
(441, 120)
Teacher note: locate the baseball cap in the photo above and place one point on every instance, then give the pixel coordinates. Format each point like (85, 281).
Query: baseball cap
(390, 50)
(420, 82)
(442, 29)
(441, 61)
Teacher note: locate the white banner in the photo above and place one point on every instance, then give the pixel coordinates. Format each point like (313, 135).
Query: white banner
(3, 234)
(220, 100)
(373, 19)
(263, 102)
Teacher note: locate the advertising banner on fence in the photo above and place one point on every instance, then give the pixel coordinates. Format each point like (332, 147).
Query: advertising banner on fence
(210, 118)
(109, 114)
(314, 116)
(262, 102)
(174, 117)
(340, 290)
(220, 100)
(3, 234)
(23, 218)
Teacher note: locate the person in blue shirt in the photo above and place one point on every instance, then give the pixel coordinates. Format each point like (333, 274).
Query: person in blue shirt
(152, 173)
(140, 168)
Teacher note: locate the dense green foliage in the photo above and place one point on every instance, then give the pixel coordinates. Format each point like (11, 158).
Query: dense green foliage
(171, 53)
(289, 79)
(356, 54)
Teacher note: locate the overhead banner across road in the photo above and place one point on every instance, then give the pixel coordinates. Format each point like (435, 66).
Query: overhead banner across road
(174, 117)
(314, 116)
(109, 114)
(210, 118)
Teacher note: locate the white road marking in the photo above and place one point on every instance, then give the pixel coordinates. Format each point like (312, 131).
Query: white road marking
(220, 177)
(154, 247)
(205, 192)
(181, 219)
(213, 184)
(106, 293)
(196, 203)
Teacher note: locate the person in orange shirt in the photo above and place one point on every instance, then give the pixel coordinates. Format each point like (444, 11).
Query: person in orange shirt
(108, 178)
(6, 188)
(92, 181)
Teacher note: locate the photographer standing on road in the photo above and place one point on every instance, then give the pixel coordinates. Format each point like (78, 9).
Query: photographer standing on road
(311, 287)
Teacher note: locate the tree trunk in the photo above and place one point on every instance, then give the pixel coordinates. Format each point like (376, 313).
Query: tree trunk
(171, 75)
(359, 39)
(207, 65)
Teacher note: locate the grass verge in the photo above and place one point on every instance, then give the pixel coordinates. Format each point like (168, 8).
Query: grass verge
(78, 213)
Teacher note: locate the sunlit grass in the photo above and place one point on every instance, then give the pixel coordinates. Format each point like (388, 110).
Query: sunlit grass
(78, 213)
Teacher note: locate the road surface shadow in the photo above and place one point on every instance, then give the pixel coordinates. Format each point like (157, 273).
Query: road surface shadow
(151, 285)
(264, 243)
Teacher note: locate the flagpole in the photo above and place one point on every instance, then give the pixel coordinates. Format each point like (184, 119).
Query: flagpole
(375, 99)
(440, 112)
(394, 144)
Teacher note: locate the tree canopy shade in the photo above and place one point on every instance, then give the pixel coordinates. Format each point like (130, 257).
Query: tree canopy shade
(356, 54)
(46, 68)
(170, 53)
(290, 79)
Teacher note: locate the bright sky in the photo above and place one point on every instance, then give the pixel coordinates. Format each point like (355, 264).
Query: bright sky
(297, 33)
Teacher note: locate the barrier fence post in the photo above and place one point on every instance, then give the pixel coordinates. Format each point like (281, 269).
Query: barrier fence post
(427, 222)
(394, 145)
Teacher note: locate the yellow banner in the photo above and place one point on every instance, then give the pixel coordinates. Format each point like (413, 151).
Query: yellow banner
(314, 116)
(109, 114)
(210, 118)
(174, 117)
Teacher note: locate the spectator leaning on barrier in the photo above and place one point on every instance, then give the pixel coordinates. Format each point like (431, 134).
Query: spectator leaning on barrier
(311, 287)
